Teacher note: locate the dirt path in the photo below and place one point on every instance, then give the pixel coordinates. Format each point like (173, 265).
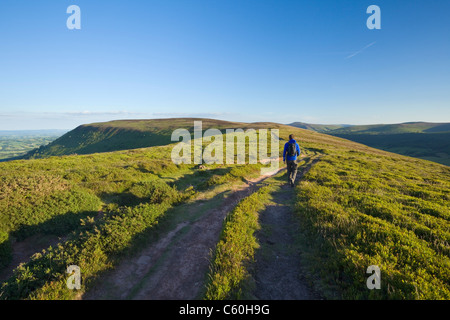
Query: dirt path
(23, 251)
(278, 270)
(175, 266)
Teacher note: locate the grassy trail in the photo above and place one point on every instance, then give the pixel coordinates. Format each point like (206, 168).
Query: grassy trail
(277, 271)
(125, 217)
(175, 266)
(263, 217)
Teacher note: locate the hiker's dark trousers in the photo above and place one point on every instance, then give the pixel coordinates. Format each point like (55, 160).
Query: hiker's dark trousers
(291, 171)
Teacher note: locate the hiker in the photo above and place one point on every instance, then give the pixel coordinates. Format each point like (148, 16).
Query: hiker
(290, 154)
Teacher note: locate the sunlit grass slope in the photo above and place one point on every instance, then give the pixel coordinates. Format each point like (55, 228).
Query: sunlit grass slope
(358, 206)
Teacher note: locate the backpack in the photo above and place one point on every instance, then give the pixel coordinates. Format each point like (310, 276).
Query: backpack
(292, 150)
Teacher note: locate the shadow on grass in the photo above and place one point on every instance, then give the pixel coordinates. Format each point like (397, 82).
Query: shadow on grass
(39, 237)
(199, 178)
(122, 198)
(182, 212)
(186, 213)
(58, 225)
(34, 274)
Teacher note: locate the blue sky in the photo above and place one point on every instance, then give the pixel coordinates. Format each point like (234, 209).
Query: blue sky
(241, 60)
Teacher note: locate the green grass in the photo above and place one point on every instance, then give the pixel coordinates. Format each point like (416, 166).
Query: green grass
(63, 196)
(360, 209)
(398, 128)
(93, 249)
(236, 248)
(409, 127)
(105, 205)
(428, 146)
(323, 128)
(121, 135)
(422, 140)
(358, 206)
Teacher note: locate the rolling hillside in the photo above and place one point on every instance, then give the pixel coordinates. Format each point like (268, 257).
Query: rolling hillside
(323, 128)
(357, 206)
(407, 127)
(122, 135)
(430, 141)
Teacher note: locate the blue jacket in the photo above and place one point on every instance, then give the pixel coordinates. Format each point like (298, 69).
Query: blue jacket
(286, 146)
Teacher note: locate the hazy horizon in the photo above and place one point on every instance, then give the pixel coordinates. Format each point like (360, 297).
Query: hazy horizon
(2, 131)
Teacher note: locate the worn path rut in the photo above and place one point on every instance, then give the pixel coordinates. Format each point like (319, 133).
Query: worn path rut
(277, 271)
(175, 266)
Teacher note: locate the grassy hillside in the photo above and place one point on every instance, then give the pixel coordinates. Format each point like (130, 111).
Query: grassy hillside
(429, 141)
(428, 146)
(361, 208)
(122, 135)
(407, 127)
(103, 206)
(358, 206)
(318, 127)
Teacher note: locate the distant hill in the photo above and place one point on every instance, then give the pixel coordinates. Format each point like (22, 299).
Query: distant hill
(129, 134)
(425, 140)
(354, 206)
(407, 127)
(323, 128)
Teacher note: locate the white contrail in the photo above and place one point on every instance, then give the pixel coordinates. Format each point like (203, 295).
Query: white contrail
(359, 51)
